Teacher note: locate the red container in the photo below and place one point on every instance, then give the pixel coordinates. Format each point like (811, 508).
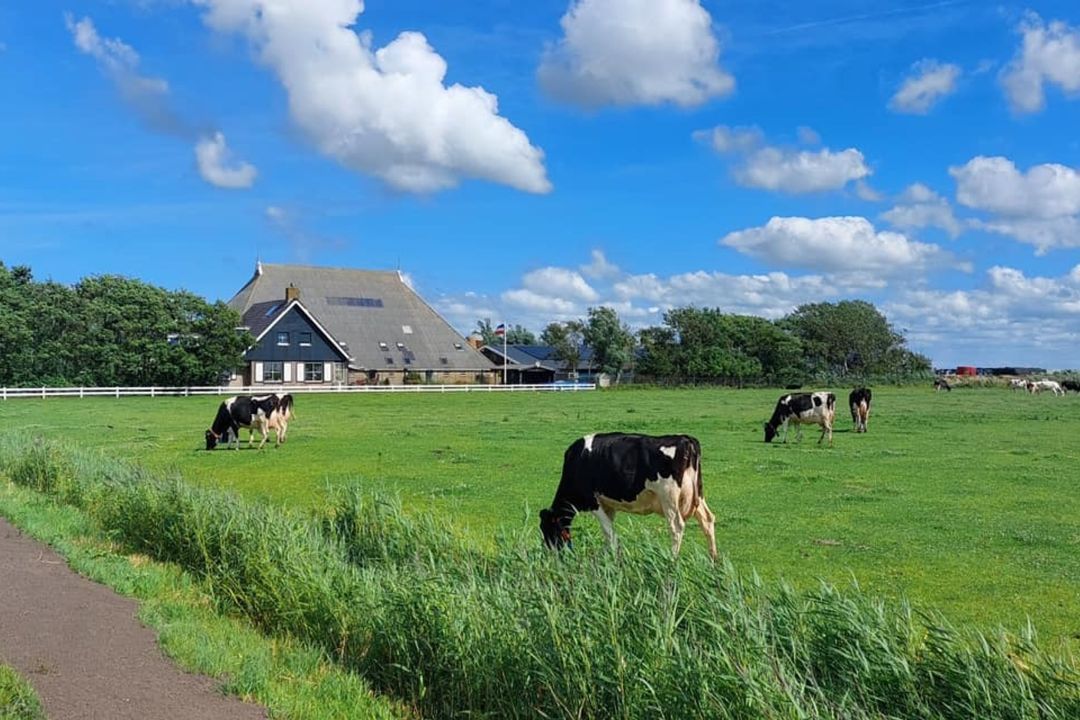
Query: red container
(965, 370)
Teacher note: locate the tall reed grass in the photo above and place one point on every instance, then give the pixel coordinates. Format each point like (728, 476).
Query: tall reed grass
(519, 632)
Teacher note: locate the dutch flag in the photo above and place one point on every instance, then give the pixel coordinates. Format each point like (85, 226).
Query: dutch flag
(500, 330)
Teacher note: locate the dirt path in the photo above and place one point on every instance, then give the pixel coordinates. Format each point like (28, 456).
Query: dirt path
(84, 651)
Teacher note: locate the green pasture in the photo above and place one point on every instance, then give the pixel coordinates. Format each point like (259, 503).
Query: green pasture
(966, 502)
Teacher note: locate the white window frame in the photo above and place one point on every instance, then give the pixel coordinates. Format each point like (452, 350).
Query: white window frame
(313, 365)
(286, 334)
(268, 375)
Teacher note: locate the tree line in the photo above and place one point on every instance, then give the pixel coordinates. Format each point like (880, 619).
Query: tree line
(850, 339)
(111, 330)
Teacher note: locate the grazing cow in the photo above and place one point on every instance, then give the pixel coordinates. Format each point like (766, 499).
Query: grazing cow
(280, 417)
(641, 474)
(1070, 385)
(942, 384)
(1017, 384)
(817, 408)
(1040, 385)
(237, 412)
(859, 402)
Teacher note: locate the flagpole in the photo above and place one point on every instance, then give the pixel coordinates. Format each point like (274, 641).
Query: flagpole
(504, 353)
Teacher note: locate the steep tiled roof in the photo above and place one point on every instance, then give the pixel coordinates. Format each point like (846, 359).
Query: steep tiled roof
(361, 308)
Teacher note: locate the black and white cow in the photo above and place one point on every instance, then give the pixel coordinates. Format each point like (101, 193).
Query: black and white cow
(942, 384)
(642, 474)
(818, 408)
(859, 402)
(241, 411)
(1070, 385)
(280, 417)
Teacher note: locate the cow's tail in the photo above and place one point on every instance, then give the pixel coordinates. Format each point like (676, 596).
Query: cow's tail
(285, 407)
(693, 460)
(830, 401)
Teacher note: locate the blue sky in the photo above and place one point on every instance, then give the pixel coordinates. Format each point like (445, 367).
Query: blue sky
(525, 161)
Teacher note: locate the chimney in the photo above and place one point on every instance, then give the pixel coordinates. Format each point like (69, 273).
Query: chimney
(292, 293)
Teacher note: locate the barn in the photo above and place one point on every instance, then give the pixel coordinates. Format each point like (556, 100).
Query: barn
(333, 326)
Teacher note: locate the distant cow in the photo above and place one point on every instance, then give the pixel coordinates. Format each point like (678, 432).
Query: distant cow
(237, 412)
(640, 474)
(817, 408)
(1070, 385)
(1040, 385)
(1017, 384)
(942, 384)
(859, 402)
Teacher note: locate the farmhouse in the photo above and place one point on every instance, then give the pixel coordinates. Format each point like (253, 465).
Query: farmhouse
(529, 364)
(342, 326)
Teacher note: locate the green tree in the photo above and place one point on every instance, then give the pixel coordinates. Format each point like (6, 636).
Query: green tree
(611, 341)
(567, 339)
(519, 335)
(848, 337)
(487, 332)
(110, 330)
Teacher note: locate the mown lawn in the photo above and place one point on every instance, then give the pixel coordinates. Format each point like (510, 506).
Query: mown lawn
(966, 501)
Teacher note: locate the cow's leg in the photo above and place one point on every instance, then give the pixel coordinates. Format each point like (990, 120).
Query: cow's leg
(798, 432)
(707, 521)
(826, 429)
(669, 504)
(606, 516)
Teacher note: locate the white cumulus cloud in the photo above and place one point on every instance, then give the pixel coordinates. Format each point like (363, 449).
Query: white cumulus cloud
(836, 244)
(784, 169)
(802, 171)
(929, 82)
(213, 159)
(635, 52)
(1049, 53)
(995, 184)
(920, 207)
(560, 282)
(385, 111)
(1002, 322)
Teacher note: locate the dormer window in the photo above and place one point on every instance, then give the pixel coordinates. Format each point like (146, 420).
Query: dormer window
(384, 347)
(401, 346)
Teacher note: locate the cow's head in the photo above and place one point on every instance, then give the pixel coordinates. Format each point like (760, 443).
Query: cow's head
(770, 432)
(555, 529)
(211, 440)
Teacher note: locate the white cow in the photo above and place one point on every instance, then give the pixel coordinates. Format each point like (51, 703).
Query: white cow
(1040, 385)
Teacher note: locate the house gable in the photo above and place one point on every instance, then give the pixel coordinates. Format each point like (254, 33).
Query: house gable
(294, 335)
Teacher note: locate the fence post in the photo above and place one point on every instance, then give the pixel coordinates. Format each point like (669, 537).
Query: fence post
(42, 393)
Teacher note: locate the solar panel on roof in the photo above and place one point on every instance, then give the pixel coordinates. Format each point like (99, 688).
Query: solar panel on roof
(354, 301)
(273, 309)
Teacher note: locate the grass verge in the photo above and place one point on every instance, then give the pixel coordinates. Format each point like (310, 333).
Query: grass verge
(518, 632)
(17, 699)
(292, 679)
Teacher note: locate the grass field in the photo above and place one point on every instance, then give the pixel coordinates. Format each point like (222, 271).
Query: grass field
(965, 502)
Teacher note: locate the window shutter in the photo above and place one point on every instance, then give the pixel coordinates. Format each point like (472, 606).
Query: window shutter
(328, 372)
(258, 372)
(286, 372)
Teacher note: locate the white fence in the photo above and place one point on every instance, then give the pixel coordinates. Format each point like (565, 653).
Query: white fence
(83, 392)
